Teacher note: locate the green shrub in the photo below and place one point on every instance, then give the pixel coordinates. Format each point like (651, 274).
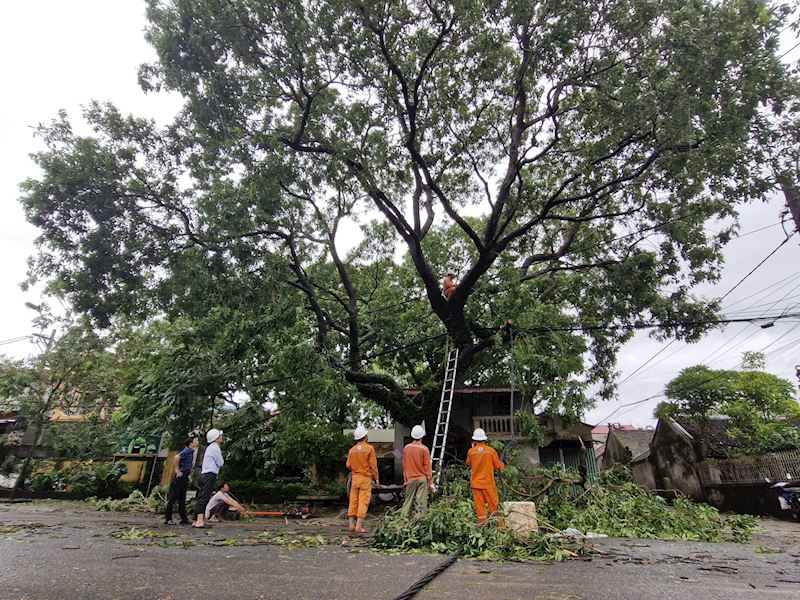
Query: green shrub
(44, 482)
(99, 479)
(268, 489)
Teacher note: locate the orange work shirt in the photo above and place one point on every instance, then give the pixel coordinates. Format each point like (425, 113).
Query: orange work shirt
(449, 287)
(483, 460)
(361, 460)
(417, 463)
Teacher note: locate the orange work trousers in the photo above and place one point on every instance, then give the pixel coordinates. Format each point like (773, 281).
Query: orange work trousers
(482, 498)
(360, 492)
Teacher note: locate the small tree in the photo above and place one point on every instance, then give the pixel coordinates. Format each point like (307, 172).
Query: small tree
(760, 405)
(75, 373)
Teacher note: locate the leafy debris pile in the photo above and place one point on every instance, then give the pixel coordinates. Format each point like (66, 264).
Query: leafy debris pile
(618, 507)
(615, 506)
(135, 502)
(138, 534)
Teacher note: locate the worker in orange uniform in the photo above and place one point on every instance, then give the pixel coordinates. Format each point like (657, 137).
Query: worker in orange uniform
(449, 286)
(483, 461)
(363, 464)
(417, 474)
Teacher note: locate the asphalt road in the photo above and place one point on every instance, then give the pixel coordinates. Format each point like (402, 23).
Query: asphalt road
(65, 550)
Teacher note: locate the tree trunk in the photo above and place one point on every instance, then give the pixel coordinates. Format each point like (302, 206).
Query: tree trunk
(26, 465)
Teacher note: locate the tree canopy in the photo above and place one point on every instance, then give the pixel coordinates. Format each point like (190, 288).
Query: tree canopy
(761, 407)
(333, 160)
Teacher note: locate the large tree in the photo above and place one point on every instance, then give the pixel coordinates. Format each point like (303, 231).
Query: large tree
(562, 157)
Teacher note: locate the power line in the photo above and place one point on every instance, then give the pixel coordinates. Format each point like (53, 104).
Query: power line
(780, 283)
(728, 341)
(754, 269)
(680, 389)
(789, 50)
(663, 324)
(616, 410)
(15, 340)
(783, 335)
(648, 361)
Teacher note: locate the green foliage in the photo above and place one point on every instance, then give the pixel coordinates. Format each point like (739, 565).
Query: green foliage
(102, 479)
(98, 479)
(92, 438)
(249, 445)
(615, 506)
(135, 534)
(531, 426)
(321, 445)
(46, 482)
(761, 406)
(563, 158)
(271, 490)
(135, 502)
(450, 527)
(698, 392)
(175, 380)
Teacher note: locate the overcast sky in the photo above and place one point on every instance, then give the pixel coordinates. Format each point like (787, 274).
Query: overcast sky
(59, 54)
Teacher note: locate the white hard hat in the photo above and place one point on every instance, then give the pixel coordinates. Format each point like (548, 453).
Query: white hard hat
(417, 432)
(360, 432)
(213, 434)
(479, 435)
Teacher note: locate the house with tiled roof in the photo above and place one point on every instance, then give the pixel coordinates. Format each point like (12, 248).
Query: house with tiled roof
(493, 409)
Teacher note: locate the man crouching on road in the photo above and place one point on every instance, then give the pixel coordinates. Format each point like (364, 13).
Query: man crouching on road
(417, 474)
(222, 507)
(363, 464)
(482, 461)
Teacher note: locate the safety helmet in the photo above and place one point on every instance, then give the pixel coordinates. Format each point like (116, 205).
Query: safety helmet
(213, 435)
(417, 432)
(479, 435)
(360, 432)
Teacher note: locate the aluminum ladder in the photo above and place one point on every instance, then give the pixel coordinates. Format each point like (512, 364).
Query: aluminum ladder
(443, 418)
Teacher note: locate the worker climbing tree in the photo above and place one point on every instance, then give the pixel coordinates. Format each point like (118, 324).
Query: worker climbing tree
(449, 286)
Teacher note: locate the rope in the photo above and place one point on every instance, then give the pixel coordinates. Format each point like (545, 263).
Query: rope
(428, 577)
(504, 485)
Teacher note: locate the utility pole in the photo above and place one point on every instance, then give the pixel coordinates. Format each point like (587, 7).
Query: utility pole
(797, 374)
(792, 194)
(37, 423)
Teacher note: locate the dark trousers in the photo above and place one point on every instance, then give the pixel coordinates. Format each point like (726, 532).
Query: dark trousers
(224, 513)
(204, 492)
(177, 491)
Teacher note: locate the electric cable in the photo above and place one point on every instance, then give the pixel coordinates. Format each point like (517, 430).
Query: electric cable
(648, 361)
(417, 586)
(780, 283)
(754, 269)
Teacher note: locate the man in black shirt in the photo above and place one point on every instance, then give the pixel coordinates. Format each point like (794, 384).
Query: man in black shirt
(177, 490)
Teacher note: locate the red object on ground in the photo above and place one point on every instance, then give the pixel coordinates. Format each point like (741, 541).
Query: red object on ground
(292, 514)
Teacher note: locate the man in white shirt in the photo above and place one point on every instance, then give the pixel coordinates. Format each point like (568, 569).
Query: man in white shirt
(212, 463)
(222, 506)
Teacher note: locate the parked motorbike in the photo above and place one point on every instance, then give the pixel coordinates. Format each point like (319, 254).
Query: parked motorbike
(788, 495)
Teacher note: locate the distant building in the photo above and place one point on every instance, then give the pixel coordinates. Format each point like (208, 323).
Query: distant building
(631, 447)
(599, 436)
(701, 462)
